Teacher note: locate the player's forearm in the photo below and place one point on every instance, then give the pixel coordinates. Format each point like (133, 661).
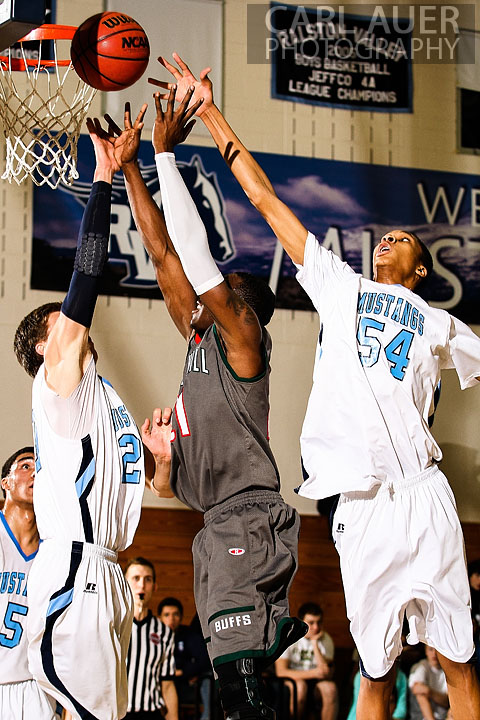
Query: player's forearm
(248, 172)
(160, 482)
(67, 352)
(185, 227)
(147, 215)
(177, 291)
(169, 693)
(104, 174)
(256, 185)
(91, 256)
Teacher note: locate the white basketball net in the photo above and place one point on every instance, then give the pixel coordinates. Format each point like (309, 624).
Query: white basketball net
(42, 125)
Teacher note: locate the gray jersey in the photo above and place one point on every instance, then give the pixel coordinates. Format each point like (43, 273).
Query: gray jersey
(220, 446)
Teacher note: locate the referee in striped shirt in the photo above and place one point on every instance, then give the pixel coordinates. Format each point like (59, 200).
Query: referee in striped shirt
(150, 661)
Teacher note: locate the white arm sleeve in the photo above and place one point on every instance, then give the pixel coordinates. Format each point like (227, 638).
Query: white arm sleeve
(185, 227)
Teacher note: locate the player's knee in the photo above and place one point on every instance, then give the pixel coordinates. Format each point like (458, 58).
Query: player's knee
(377, 686)
(242, 691)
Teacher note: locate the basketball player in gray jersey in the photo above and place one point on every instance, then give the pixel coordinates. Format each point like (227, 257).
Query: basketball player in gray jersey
(246, 555)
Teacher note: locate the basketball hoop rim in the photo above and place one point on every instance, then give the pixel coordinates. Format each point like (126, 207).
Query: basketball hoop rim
(44, 32)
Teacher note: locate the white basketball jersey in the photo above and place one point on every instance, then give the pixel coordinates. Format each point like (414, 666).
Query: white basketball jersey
(89, 464)
(381, 351)
(14, 569)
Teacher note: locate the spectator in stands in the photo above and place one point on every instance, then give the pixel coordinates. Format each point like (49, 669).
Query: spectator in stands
(191, 656)
(428, 689)
(170, 612)
(150, 661)
(309, 662)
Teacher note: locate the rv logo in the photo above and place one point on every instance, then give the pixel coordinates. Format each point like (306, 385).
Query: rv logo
(126, 247)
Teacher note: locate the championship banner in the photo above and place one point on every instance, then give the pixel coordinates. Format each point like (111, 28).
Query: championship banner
(349, 206)
(341, 60)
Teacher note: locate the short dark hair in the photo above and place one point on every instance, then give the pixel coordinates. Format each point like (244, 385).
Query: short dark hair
(32, 330)
(425, 255)
(7, 465)
(257, 294)
(310, 608)
(170, 601)
(141, 561)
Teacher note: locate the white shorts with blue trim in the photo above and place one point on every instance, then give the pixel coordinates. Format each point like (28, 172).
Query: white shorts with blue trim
(79, 626)
(25, 701)
(402, 554)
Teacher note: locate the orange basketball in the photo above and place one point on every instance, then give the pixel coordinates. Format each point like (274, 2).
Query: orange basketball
(110, 51)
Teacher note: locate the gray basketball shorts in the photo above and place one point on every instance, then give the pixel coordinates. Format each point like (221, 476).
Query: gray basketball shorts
(245, 558)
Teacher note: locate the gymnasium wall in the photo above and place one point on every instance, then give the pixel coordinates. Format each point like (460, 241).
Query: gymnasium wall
(139, 349)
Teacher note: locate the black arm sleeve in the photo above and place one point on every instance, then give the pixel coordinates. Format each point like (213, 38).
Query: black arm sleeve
(91, 255)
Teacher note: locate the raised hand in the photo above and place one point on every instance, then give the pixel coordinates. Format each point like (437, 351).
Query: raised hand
(126, 142)
(185, 79)
(173, 126)
(103, 145)
(156, 436)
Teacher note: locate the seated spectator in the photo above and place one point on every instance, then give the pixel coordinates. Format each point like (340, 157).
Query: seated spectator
(398, 709)
(191, 655)
(428, 689)
(309, 662)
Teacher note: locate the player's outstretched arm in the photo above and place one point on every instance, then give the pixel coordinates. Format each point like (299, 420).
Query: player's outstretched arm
(156, 438)
(68, 350)
(238, 325)
(258, 188)
(177, 291)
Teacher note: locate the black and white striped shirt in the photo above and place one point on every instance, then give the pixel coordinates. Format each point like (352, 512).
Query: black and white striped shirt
(150, 660)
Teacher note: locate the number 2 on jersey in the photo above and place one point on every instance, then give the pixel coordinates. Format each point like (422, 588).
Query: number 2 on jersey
(132, 445)
(396, 351)
(11, 624)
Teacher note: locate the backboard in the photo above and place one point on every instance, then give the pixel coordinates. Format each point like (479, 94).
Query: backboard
(18, 17)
